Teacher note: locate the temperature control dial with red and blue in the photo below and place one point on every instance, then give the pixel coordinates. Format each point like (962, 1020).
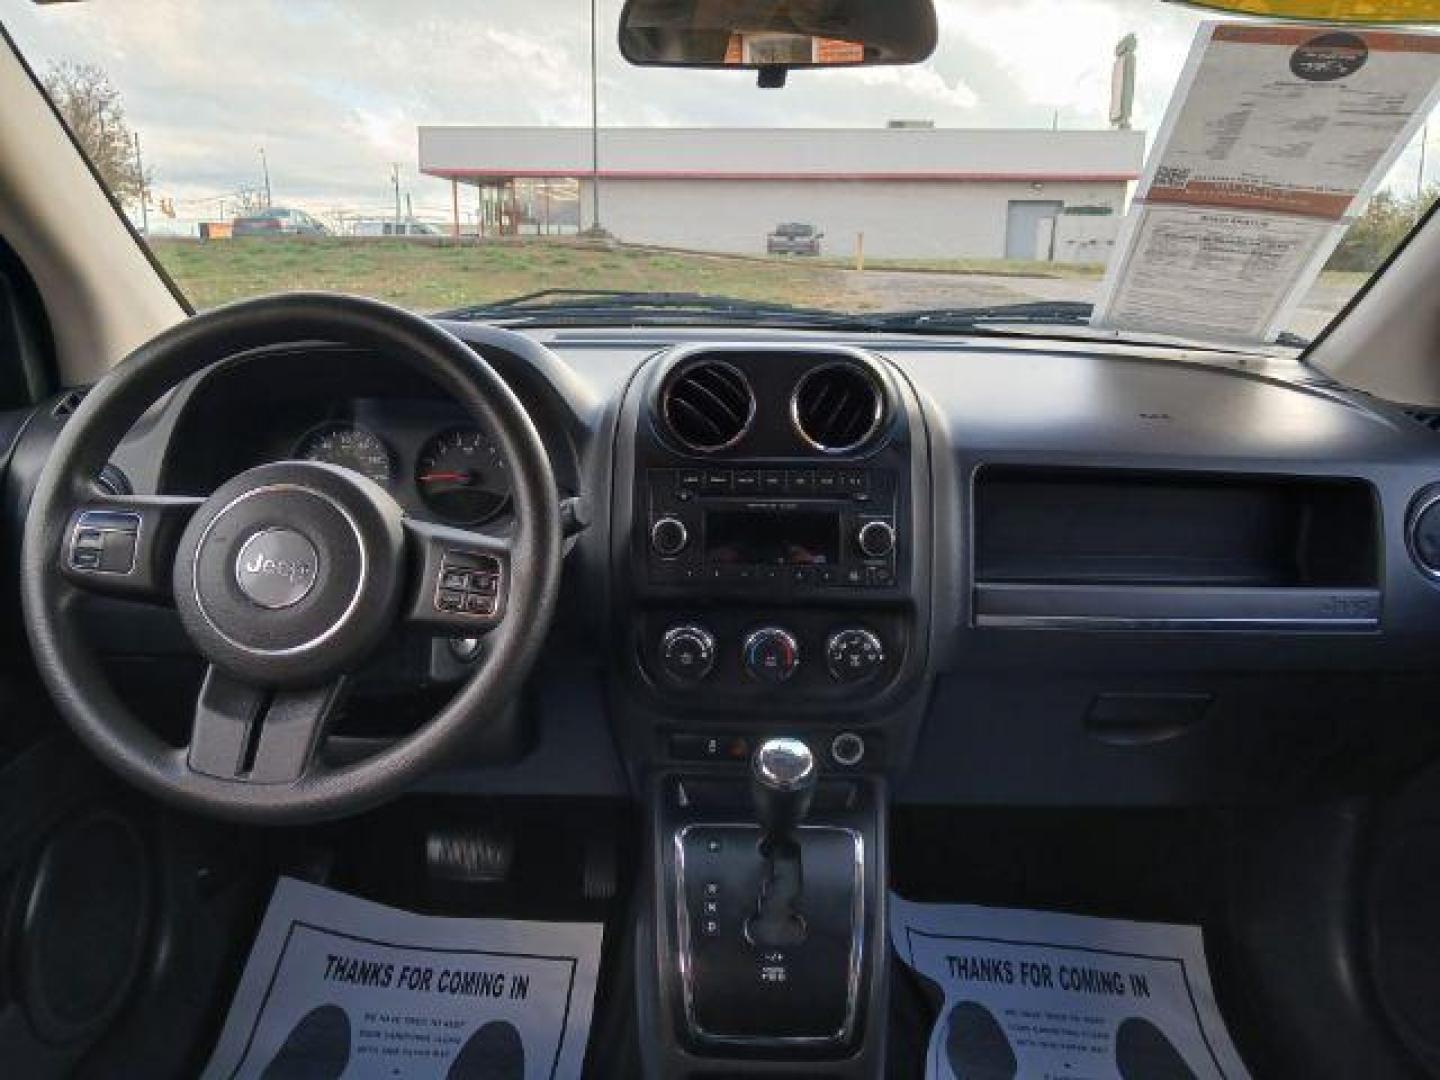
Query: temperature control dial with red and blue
(771, 655)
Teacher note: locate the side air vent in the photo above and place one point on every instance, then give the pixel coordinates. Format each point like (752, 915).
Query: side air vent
(67, 403)
(837, 407)
(708, 406)
(1425, 418)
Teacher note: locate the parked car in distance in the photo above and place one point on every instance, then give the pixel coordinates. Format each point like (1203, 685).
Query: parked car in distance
(793, 238)
(391, 227)
(278, 221)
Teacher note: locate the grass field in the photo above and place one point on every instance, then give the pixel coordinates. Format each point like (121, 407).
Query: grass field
(432, 277)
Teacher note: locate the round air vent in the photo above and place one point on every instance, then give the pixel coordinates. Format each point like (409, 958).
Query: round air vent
(1423, 532)
(708, 406)
(837, 407)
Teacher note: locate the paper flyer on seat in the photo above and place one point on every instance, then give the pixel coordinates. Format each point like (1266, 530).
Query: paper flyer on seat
(1050, 996)
(336, 986)
(1275, 138)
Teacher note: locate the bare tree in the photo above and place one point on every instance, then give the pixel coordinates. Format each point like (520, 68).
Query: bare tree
(91, 107)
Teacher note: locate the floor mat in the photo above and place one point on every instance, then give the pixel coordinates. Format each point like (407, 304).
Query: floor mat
(338, 987)
(1038, 994)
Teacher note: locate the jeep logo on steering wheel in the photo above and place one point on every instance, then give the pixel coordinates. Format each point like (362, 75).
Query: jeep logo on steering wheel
(276, 568)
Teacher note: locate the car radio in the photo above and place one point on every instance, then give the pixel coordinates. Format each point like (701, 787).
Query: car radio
(773, 530)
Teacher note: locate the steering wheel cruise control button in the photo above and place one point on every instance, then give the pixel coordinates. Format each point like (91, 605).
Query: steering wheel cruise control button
(104, 542)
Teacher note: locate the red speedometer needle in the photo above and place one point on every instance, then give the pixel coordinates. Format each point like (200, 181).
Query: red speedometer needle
(457, 477)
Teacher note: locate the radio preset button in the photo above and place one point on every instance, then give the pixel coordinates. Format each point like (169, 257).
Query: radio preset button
(669, 537)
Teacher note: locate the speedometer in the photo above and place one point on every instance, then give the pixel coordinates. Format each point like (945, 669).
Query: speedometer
(351, 447)
(462, 476)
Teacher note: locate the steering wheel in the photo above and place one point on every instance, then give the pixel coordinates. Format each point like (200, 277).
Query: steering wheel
(286, 578)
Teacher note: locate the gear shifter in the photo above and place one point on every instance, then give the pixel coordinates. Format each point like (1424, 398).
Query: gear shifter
(782, 783)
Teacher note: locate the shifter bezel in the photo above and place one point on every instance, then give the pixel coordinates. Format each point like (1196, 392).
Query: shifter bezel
(685, 953)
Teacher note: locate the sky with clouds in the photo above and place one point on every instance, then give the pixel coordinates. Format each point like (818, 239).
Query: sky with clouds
(335, 89)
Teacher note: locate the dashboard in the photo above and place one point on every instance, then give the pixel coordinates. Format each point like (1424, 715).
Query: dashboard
(994, 571)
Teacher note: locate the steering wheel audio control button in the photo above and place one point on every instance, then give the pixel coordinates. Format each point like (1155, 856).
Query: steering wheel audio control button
(469, 584)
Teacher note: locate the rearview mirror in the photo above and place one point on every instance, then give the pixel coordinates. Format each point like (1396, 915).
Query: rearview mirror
(774, 36)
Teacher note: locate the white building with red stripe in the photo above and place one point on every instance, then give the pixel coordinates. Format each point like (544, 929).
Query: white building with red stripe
(911, 192)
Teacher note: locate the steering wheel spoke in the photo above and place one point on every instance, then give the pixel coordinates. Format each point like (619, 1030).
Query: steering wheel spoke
(461, 579)
(125, 545)
(259, 735)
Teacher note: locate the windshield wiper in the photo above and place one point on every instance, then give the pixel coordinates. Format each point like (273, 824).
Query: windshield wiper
(552, 305)
(1065, 312)
(1040, 313)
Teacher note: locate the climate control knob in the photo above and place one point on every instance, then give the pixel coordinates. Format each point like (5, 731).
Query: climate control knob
(853, 655)
(875, 539)
(668, 536)
(770, 655)
(687, 653)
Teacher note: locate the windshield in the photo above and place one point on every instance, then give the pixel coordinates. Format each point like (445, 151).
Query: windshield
(445, 155)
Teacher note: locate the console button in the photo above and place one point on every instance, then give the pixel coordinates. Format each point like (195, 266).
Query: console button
(771, 655)
(717, 481)
(853, 655)
(687, 653)
(772, 482)
(847, 749)
(747, 482)
(800, 483)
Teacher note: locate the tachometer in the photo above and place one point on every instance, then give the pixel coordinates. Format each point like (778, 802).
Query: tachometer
(463, 477)
(351, 447)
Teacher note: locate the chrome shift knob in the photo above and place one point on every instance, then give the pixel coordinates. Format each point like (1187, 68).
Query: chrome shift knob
(783, 775)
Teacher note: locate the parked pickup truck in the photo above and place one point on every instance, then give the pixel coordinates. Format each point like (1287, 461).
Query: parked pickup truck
(793, 238)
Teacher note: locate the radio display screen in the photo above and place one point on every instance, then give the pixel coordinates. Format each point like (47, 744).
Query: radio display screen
(768, 538)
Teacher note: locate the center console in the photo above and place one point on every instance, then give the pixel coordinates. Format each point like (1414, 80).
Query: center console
(771, 554)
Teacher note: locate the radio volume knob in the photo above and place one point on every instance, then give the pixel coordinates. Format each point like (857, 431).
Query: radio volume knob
(771, 655)
(669, 537)
(875, 539)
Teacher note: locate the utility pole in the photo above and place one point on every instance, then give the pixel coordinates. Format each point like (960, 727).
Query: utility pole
(144, 188)
(1420, 176)
(265, 171)
(395, 180)
(594, 122)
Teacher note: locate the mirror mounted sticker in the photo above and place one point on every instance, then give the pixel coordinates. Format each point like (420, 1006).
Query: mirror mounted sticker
(1412, 12)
